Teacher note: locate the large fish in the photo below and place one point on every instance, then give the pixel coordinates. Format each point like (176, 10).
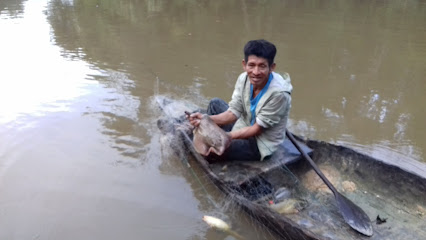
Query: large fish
(209, 137)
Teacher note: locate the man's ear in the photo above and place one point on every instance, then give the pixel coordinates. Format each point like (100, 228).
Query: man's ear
(273, 67)
(244, 64)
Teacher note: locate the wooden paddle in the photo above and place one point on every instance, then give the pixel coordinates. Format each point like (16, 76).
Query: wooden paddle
(353, 215)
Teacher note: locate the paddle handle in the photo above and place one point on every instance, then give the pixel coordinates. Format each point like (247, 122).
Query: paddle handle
(307, 157)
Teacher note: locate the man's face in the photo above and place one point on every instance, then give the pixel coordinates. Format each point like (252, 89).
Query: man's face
(258, 70)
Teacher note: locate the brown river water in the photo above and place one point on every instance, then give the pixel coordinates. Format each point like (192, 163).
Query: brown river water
(81, 156)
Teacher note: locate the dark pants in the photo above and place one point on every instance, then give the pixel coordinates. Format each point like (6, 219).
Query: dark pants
(240, 149)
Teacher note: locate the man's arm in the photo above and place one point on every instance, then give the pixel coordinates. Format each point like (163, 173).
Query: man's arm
(246, 132)
(228, 117)
(221, 119)
(224, 118)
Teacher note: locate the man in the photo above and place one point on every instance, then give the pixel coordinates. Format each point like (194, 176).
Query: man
(260, 105)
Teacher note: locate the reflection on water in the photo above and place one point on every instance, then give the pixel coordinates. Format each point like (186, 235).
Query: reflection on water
(360, 67)
(11, 8)
(77, 162)
(35, 81)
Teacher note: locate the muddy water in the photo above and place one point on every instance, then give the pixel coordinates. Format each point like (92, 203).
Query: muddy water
(81, 157)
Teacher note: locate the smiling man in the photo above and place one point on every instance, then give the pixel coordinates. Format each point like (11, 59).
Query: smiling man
(258, 111)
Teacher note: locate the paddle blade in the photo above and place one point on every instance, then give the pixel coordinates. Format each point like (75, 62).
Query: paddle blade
(354, 215)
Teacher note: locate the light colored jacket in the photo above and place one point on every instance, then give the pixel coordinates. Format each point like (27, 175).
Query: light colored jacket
(271, 112)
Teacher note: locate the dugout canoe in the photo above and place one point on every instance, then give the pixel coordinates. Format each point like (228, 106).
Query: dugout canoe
(286, 196)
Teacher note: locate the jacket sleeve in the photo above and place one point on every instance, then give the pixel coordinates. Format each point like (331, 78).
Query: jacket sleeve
(236, 104)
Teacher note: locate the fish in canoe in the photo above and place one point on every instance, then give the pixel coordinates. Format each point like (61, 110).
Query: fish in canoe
(209, 137)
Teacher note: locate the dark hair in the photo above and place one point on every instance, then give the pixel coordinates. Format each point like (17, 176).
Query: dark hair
(260, 48)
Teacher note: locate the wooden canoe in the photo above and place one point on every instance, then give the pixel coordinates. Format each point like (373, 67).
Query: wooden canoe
(285, 195)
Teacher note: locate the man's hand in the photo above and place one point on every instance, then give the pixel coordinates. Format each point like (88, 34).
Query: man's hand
(194, 118)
